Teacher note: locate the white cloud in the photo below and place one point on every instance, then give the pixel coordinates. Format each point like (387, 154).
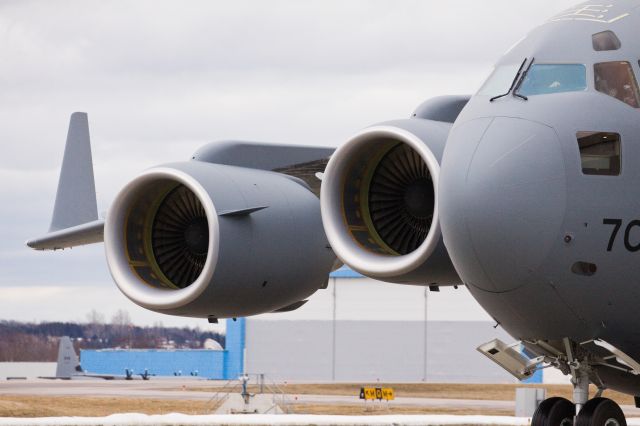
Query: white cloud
(12, 295)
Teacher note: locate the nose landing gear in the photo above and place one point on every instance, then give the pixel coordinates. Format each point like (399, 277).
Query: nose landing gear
(586, 412)
(582, 361)
(596, 412)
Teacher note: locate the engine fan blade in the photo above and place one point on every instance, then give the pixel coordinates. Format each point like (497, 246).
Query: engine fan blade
(401, 199)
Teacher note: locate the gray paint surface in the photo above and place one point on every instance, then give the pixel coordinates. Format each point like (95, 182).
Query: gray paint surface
(389, 351)
(68, 362)
(518, 211)
(76, 196)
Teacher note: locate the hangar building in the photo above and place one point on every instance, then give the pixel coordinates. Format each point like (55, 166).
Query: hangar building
(214, 364)
(355, 330)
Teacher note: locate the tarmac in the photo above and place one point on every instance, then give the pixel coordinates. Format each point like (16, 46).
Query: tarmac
(274, 419)
(177, 389)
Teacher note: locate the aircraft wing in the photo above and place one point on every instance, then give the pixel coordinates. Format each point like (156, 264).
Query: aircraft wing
(75, 219)
(238, 229)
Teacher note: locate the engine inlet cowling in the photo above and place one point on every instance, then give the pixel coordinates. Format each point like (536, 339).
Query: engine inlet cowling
(380, 206)
(209, 240)
(162, 231)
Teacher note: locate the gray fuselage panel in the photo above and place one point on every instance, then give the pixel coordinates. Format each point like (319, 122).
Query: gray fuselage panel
(520, 217)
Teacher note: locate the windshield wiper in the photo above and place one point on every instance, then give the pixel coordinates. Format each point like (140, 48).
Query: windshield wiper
(524, 75)
(513, 83)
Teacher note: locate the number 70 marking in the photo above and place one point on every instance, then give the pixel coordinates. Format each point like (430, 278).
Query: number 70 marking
(617, 224)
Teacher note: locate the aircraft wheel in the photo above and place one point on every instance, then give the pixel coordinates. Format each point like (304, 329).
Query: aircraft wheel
(554, 411)
(601, 412)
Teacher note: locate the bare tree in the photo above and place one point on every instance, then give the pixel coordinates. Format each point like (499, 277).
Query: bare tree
(96, 327)
(39, 341)
(122, 328)
(121, 318)
(95, 317)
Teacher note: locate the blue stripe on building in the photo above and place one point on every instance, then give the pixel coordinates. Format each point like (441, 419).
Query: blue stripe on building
(223, 365)
(234, 347)
(345, 272)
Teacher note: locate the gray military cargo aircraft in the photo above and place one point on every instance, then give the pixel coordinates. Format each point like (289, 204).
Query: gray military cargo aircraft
(520, 192)
(68, 366)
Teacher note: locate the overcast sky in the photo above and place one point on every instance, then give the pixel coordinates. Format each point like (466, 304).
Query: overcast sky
(159, 79)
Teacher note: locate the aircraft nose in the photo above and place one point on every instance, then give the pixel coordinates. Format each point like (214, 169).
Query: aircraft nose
(502, 199)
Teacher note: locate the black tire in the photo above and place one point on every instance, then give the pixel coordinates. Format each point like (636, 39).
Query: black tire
(601, 412)
(554, 411)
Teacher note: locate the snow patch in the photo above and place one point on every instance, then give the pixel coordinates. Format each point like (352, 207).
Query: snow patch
(273, 419)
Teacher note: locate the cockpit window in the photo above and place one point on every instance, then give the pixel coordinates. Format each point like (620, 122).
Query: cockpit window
(500, 80)
(606, 40)
(616, 79)
(543, 79)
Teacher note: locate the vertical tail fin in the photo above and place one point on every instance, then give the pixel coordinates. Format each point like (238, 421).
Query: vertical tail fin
(75, 214)
(76, 197)
(68, 363)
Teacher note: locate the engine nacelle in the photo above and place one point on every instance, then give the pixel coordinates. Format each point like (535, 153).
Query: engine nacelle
(208, 240)
(379, 202)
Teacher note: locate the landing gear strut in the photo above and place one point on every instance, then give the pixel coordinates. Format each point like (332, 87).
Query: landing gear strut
(586, 412)
(583, 361)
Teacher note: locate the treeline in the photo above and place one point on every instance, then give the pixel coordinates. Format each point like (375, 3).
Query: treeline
(39, 341)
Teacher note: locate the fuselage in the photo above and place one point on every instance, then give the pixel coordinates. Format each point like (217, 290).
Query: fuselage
(538, 188)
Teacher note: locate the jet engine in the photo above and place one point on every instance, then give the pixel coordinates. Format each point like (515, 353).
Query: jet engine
(379, 203)
(209, 240)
